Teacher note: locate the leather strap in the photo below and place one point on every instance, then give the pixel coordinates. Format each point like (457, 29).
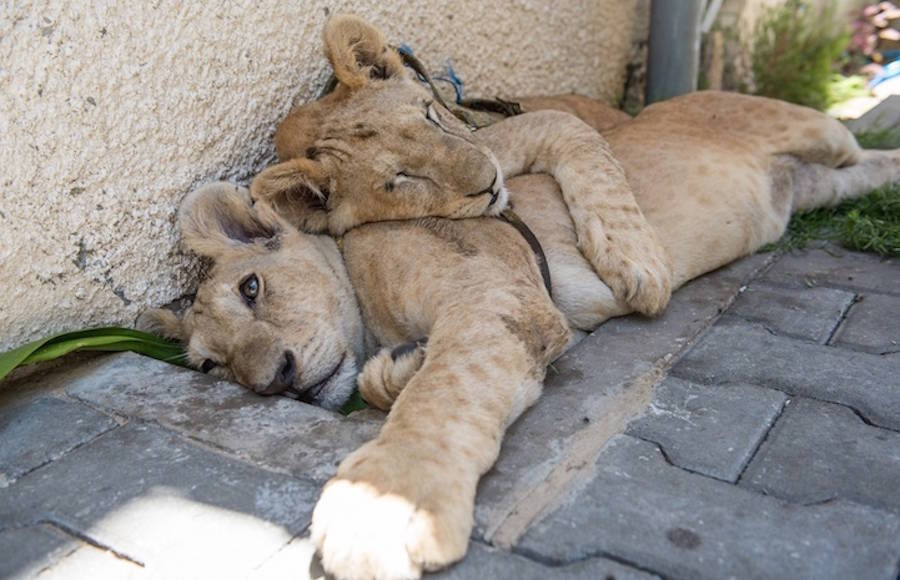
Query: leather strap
(510, 217)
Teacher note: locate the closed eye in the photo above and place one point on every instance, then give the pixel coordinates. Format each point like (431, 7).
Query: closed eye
(404, 177)
(432, 116)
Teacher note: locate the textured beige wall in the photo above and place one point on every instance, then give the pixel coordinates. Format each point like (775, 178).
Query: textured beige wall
(110, 113)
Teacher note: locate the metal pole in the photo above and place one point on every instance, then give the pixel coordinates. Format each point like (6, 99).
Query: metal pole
(674, 48)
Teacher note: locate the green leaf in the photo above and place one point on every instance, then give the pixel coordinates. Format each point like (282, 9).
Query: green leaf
(353, 404)
(111, 339)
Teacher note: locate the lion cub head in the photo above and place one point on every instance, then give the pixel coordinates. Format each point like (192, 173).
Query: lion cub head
(378, 147)
(276, 313)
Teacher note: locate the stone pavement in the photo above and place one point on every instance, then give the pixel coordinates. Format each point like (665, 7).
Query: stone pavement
(753, 431)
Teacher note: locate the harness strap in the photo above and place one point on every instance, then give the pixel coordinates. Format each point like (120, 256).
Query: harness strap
(510, 217)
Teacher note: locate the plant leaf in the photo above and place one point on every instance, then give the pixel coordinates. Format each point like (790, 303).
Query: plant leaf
(353, 404)
(111, 339)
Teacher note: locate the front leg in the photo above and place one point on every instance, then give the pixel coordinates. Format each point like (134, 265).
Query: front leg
(404, 503)
(612, 233)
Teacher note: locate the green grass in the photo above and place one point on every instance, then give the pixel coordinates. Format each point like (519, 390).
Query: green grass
(879, 138)
(869, 224)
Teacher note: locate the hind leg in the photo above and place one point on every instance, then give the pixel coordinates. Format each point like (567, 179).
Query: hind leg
(815, 185)
(798, 186)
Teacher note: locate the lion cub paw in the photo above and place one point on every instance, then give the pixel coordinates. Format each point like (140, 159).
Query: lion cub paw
(386, 374)
(363, 531)
(638, 271)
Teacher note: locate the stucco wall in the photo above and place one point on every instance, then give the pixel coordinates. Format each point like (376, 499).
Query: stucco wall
(111, 112)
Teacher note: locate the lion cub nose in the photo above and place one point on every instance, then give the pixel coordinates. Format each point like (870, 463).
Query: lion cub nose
(284, 377)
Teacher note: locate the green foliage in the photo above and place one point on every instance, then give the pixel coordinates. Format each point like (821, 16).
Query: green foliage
(96, 339)
(794, 47)
(887, 138)
(841, 88)
(870, 224)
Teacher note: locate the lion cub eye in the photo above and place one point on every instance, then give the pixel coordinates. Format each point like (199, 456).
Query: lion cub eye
(250, 288)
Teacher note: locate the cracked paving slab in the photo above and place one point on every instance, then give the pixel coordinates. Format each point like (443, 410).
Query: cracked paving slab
(836, 267)
(47, 553)
(820, 451)
(747, 353)
(709, 429)
(485, 562)
(164, 503)
(274, 432)
(873, 324)
(810, 313)
(38, 432)
(640, 508)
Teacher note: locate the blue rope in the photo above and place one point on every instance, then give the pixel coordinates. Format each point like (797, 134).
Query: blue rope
(450, 74)
(454, 80)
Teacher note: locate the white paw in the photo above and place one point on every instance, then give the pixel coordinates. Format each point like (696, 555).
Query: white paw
(362, 533)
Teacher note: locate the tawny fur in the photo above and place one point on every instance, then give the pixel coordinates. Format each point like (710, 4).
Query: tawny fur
(384, 376)
(373, 142)
(714, 175)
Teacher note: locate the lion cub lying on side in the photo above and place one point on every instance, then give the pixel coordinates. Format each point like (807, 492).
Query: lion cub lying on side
(710, 177)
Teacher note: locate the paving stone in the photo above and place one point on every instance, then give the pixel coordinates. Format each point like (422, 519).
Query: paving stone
(298, 560)
(712, 430)
(32, 382)
(34, 433)
(24, 551)
(884, 115)
(486, 562)
(159, 500)
(44, 552)
(275, 432)
(820, 451)
(295, 561)
(873, 324)
(745, 353)
(835, 266)
(594, 383)
(644, 510)
(86, 561)
(810, 313)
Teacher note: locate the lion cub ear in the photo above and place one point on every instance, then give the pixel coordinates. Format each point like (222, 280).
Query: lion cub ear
(218, 217)
(357, 51)
(298, 191)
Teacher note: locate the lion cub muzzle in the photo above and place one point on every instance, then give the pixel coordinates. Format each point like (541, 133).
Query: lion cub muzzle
(284, 377)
